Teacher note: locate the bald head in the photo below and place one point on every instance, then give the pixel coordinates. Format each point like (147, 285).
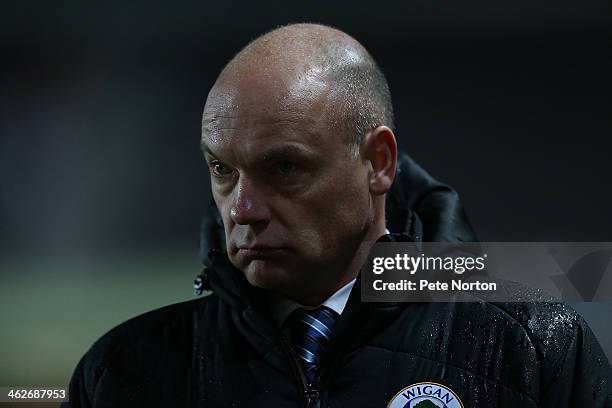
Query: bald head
(301, 63)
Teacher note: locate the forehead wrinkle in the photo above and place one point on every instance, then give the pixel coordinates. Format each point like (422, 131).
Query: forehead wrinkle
(275, 132)
(295, 99)
(291, 117)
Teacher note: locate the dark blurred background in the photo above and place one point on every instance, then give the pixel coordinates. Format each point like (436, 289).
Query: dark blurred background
(102, 184)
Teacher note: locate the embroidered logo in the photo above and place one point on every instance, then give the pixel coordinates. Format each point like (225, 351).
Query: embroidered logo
(425, 395)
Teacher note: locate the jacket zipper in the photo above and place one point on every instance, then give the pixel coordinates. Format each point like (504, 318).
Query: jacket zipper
(311, 394)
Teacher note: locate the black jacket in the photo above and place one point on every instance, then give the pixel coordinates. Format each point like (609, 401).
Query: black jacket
(224, 350)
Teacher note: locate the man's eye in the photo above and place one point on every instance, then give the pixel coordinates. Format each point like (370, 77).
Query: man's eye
(220, 169)
(285, 167)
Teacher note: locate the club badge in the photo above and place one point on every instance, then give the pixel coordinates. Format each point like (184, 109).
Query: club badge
(425, 395)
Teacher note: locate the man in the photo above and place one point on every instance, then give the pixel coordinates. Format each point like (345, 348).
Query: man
(298, 136)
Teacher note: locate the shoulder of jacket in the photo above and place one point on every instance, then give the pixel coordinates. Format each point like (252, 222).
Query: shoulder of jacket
(555, 332)
(161, 330)
(551, 326)
(547, 324)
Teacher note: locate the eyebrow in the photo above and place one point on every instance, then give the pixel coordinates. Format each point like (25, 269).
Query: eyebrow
(274, 153)
(289, 150)
(206, 150)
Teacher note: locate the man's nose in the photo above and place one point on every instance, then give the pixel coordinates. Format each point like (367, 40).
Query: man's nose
(249, 205)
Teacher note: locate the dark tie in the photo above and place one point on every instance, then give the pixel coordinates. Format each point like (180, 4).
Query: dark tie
(310, 333)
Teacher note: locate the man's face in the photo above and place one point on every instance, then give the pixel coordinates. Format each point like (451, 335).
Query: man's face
(294, 205)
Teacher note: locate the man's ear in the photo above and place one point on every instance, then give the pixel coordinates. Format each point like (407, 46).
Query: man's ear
(380, 149)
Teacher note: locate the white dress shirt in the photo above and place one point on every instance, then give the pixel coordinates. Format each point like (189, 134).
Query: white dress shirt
(283, 307)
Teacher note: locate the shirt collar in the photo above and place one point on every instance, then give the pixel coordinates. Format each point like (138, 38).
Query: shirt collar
(283, 307)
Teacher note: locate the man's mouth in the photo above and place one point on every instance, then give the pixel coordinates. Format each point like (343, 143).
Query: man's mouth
(254, 252)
